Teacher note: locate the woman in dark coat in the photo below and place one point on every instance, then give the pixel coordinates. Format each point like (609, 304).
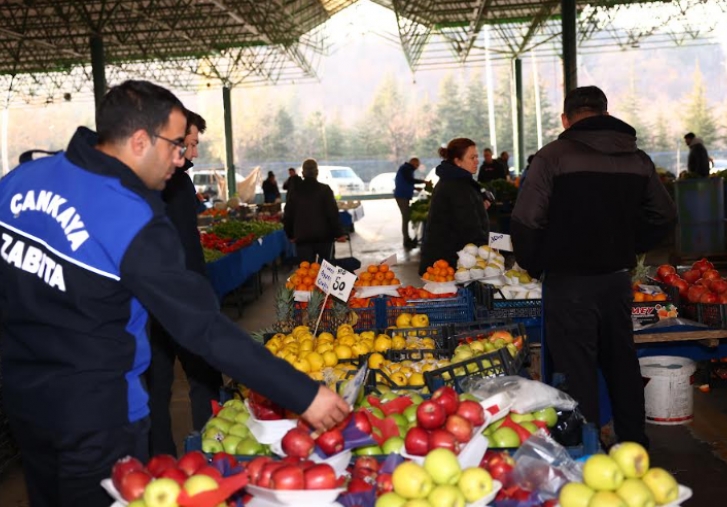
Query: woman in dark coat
(458, 212)
(271, 192)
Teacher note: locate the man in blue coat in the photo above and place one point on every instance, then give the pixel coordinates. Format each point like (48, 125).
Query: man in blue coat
(403, 192)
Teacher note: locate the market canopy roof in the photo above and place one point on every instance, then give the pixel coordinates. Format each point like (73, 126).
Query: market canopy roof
(45, 44)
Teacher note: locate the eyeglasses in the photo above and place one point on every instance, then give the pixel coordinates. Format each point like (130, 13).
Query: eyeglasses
(179, 144)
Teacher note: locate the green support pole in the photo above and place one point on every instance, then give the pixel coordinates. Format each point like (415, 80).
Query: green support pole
(570, 55)
(98, 68)
(229, 155)
(520, 115)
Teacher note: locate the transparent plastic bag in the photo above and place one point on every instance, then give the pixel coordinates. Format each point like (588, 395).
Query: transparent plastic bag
(544, 466)
(527, 395)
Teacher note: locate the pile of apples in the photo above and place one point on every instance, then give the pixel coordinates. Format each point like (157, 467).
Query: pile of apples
(700, 284)
(299, 443)
(164, 477)
(486, 343)
(621, 479)
(228, 432)
(291, 474)
(439, 482)
(514, 429)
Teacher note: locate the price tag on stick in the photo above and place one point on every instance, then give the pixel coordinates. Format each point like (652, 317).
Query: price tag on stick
(500, 241)
(333, 281)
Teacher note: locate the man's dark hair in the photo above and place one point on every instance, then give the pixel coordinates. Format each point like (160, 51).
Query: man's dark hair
(196, 120)
(131, 106)
(585, 99)
(291, 169)
(487, 149)
(690, 136)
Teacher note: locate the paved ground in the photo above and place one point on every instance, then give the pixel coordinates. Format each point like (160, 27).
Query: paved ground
(696, 453)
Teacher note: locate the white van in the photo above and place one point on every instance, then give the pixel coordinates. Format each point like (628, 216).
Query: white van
(342, 180)
(207, 180)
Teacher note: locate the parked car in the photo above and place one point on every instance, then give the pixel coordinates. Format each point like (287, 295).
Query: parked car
(383, 183)
(342, 180)
(718, 164)
(206, 180)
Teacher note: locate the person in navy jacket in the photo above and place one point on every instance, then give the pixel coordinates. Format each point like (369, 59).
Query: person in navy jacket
(403, 192)
(86, 251)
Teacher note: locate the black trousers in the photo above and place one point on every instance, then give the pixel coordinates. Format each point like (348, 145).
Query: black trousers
(204, 386)
(65, 469)
(405, 209)
(315, 252)
(588, 325)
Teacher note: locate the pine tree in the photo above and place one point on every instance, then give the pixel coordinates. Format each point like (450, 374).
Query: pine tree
(336, 137)
(660, 140)
(632, 113)
(427, 141)
(475, 121)
(503, 111)
(283, 135)
(448, 121)
(698, 116)
(391, 117)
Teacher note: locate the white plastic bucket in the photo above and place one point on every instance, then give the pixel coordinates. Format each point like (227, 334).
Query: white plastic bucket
(668, 391)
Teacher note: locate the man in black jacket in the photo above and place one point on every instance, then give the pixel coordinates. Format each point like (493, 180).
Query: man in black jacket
(204, 381)
(86, 253)
(592, 200)
(698, 161)
(292, 181)
(491, 169)
(311, 217)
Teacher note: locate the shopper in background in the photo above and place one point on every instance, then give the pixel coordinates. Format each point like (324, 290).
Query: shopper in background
(293, 179)
(81, 266)
(491, 169)
(271, 192)
(403, 193)
(592, 201)
(311, 217)
(698, 161)
(204, 381)
(457, 212)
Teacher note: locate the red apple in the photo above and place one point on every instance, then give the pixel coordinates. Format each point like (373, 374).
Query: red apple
(193, 461)
(384, 484)
(210, 471)
(671, 278)
(362, 422)
(444, 439)
(122, 467)
(160, 463)
(331, 442)
(431, 415)
(358, 485)
(718, 285)
(133, 484)
(320, 476)
(702, 265)
(692, 275)
(722, 298)
(342, 425)
(267, 471)
(695, 293)
(447, 398)
(664, 270)
(416, 441)
(366, 463)
(460, 427)
(472, 411)
(708, 297)
(682, 286)
(297, 443)
(255, 467)
(364, 473)
(710, 274)
(287, 477)
(176, 474)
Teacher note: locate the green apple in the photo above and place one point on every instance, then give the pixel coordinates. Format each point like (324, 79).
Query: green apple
(548, 415)
(575, 494)
(368, 450)
(228, 414)
(411, 481)
(495, 425)
(365, 403)
(376, 412)
(443, 466)
(239, 430)
(662, 485)
(388, 396)
(383, 388)
(636, 494)
(468, 396)
(504, 437)
(236, 404)
(248, 447)
(518, 418)
(415, 398)
(137, 503)
(512, 349)
(393, 445)
(213, 434)
(477, 347)
(475, 483)
(632, 458)
(242, 417)
(530, 426)
(199, 483)
(390, 499)
(606, 499)
(602, 473)
(162, 493)
(489, 347)
(464, 348)
(221, 424)
(499, 343)
(446, 496)
(418, 502)
(410, 413)
(211, 446)
(229, 443)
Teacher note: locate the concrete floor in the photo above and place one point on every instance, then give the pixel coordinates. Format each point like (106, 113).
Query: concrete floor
(696, 453)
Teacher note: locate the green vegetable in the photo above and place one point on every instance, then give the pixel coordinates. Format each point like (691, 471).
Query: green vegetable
(235, 229)
(212, 255)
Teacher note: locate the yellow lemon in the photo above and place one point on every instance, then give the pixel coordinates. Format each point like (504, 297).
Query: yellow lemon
(376, 360)
(316, 375)
(398, 342)
(359, 349)
(272, 347)
(316, 361)
(324, 347)
(406, 370)
(428, 343)
(290, 339)
(416, 379)
(306, 336)
(302, 365)
(398, 378)
(278, 336)
(325, 337)
(330, 358)
(306, 345)
(347, 340)
(343, 352)
(382, 343)
(368, 335)
(428, 367)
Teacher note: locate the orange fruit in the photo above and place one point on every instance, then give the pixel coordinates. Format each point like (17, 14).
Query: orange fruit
(436, 271)
(384, 268)
(659, 297)
(315, 266)
(430, 270)
(375, 283)
(389, 275)
(426, 276)
(450, 271)
(395, 281)
(639, 297)
(294, 279)
(302, 272)
(366, 276)
(305, 264)
(308, 280)
(372, 269)
(379, 276)
(366, 283)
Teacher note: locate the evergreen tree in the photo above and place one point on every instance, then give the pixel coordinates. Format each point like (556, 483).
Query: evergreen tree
(550, 121)
(475, 121)
(283, 135)
(391, 119)
(449, 112)
(312, 140)
(426, 134)
(633, 114)
(660, 140)
(503, 112)
(698, 116)
(336, 138)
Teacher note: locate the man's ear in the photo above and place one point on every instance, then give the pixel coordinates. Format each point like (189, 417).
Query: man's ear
(139, 142)
(564, 121)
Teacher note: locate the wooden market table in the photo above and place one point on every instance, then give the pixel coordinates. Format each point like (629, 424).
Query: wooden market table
(708, 337)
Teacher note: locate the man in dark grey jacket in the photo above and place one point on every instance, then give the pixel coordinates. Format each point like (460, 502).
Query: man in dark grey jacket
(698, 161)
(591, 202)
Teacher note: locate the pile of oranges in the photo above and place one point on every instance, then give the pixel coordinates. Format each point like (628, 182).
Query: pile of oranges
(641, 297)
(375, 276)
(304, 278)
(440, 272)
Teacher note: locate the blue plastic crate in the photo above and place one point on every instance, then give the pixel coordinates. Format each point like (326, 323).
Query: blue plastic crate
(441, 312)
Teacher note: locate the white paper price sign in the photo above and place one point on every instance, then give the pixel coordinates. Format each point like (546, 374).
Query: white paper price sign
(343, 284)
(326, 274)
(500, 241)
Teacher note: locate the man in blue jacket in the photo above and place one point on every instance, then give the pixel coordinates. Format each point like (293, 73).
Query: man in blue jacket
(86, 251)
(403, 192)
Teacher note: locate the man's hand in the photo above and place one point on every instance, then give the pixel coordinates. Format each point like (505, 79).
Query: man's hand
(327, 410)
(342, 239)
